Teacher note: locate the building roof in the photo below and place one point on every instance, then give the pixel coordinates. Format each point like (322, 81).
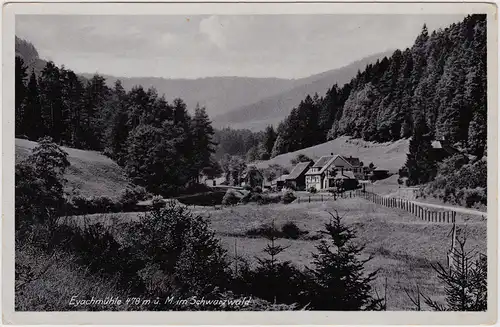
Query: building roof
(322, 161)
(252, 170)
(355, 162)
(298, 170)
(437, 144)
(282, 178)
(345, 175)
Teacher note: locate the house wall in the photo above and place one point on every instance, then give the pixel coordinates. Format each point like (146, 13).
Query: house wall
(313, 181)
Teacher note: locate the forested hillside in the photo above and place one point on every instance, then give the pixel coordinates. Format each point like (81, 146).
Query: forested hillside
(160, 145)
(272, 109)
(442, 76)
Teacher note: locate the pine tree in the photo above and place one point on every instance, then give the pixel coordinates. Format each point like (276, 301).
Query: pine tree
(339, 278)
(32, 117)
(119, 129)
(203, 145)
(477, 135)
(269, 139)
(20, 95)
(420, 162)
(51, 101)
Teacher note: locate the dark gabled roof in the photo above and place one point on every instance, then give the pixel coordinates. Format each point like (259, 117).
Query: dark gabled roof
(298, 170)
(322, 161)
(345, 175)
(282, 178)
(353, 161)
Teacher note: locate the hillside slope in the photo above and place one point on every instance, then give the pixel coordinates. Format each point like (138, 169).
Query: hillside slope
(218, 94)
(91, 173)
(274, 109)
(389, 155)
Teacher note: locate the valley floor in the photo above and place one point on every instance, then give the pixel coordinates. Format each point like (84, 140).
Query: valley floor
(403, 247)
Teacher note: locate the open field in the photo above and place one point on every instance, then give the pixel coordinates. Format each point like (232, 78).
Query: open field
(403, 246)
(390, 155)
(91, 173)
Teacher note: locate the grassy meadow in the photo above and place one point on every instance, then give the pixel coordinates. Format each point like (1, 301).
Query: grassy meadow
(91, 173)
(403, 247)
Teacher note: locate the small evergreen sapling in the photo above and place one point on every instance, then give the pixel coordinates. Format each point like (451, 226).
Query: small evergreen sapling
(338, 273)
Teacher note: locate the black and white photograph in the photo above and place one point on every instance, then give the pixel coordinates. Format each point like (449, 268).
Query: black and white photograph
(251, 162)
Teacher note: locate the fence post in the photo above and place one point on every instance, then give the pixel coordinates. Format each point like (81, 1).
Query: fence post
(309, 199)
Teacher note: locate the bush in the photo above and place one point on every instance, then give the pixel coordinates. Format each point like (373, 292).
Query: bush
(264, 230)
(203, 199)
(312, 189)
(459, 182)
(288, 197)
(291, 230)
(39, 181)
(183, 256)
(230, 198)
(80, 205)
(472, 197)
(131, 196)
(157, 202)
(257, 189)
(246, 198)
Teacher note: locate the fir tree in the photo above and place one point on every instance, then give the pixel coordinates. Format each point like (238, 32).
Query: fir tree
(420, 163)
(339, 278)
(32, 116)
(203, 145)
(20, 94)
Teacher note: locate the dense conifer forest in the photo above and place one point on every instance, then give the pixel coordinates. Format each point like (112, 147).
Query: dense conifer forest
(442, 77)
(161, 145)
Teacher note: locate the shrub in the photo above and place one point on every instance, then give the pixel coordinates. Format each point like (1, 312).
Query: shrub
(257, 189)
(129, 198)
(80, 205)
(291, 230)
(264, 230)
(101, 204)
(98, 251)
(180, 247)
(288, 197)
(312, 189)
(39, 194)
(246, 198)
(471, 197)
(157, 202)
(247, 187)
(230, 198)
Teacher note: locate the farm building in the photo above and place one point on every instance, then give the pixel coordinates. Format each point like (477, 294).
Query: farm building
(252, 177)
(297, 178)
(379, 173)
(324, 173)
(442, 149)
(279, 182)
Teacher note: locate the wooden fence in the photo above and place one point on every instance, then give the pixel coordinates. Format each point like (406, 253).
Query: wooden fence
(424, 213)
(325, 197)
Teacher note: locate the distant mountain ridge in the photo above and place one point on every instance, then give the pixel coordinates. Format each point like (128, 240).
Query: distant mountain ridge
(239, 102)
(218, 94)
(273, 109)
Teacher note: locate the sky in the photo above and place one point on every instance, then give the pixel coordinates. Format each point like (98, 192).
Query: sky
(174, 46)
